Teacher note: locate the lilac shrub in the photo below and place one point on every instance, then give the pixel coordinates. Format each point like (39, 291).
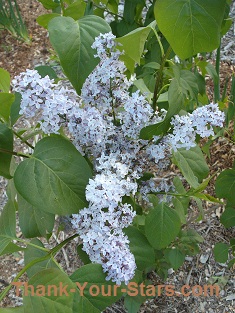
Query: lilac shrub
(104, 124)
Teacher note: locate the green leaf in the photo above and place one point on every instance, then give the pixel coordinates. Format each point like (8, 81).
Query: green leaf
(72, 41)
(200, 208)
(44, 70)
(15, 109)
(201, 187)
(18, 309)
(228, 217)
(154, 130)
(192, 165)
(153, 199)
(225, 185)
(43, 20)
(133, 303)
(221, 252)
(183, 85)
(175, 257)
(190, 235)
(6, 100)
(6, 144)
(181, 206)
(34, 222)
(140, 247)
(226, 26)
(153, 65)
(75, 10)
(162, 226)
(63, 296)
(8, 220)
(32, 253)
(55, 177)
(131, 10)
(4, 242)
(140, 84)
(92, 274)
(8, 229)
(206, 197)
(180, 203)
(212, 72)
(11, 248)
(49, 4)
(4, 80)
(190, 26)
(133, 43)
(83, 255)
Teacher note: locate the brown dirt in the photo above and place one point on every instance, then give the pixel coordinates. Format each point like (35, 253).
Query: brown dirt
(15, 55)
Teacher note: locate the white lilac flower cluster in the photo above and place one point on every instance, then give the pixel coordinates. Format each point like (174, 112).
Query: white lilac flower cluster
(104, 124)
(44, 100)
(185, 128)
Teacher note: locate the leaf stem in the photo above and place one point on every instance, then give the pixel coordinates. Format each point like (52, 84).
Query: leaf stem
(158, 84)
(50, 254)
(14, 153)
(31, 244)
(5, 291)
(62, 6)
(217, 82)
(22, 139)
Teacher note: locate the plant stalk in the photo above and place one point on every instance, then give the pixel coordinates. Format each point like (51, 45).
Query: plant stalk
(50, 254)
(159, 77)
(217, 82)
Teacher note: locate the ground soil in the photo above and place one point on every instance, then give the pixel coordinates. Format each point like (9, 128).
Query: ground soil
(16, 56)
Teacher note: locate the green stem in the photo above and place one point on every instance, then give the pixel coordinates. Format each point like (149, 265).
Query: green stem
(159, 41)
(62, 6)
(217, 82)
(5, 291)
(106, 10)
(158, 84)
(31, 244)
(63, 243)
(22, 139)
(165, 86)
(14, 153)
(50, 254)
(111, 95)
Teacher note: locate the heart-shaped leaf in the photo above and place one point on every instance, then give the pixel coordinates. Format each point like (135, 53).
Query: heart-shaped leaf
(190, 26)
(54, 178)
(72, 41)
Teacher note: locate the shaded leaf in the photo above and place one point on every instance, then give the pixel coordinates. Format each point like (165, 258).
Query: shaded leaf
(225, 185)
(92, 274)
(190, 26)
(15, 108)
(228, 217)
(34, 222)
(55, 177)
(61, 298)
(221, 252)
(72, 41)
(140, 247)
(192, 165)
(6, 100)
(4, 80)
(175, 257)
(158, 222)
(32, 253)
